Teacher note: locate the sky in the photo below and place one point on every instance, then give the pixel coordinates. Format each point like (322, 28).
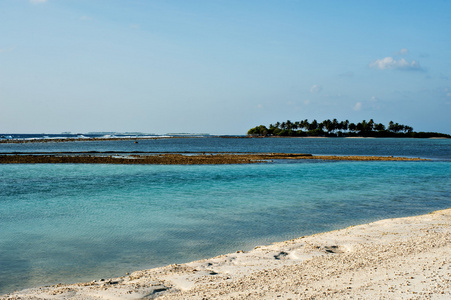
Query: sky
(221, 66)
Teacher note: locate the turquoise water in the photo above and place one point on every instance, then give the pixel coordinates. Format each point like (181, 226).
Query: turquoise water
(430, 148)
(71, 223)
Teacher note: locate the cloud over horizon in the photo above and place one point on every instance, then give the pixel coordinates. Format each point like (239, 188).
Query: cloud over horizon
(391, 63)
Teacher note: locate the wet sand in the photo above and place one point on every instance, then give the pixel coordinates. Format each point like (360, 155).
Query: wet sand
(403, 258)
(181, 159)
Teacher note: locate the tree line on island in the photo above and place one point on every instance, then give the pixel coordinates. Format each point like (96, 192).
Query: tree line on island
(334, 128)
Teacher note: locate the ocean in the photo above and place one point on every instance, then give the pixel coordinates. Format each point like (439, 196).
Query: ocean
(65, 223)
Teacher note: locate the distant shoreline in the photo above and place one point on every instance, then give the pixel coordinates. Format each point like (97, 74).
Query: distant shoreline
(88, 139)
(137, 139)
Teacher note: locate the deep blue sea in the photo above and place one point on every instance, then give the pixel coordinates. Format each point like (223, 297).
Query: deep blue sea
(70, 223)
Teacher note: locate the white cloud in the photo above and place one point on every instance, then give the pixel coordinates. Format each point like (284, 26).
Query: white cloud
(316, 88)
(358, 106)
(391, 63)
(37, 1)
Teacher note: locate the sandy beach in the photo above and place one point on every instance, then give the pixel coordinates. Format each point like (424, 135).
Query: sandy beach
(403, 258)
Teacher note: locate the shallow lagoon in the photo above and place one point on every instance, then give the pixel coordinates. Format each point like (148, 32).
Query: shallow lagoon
(427, 148)
(70, 223)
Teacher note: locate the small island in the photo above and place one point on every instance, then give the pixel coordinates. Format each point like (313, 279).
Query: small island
(335, 128)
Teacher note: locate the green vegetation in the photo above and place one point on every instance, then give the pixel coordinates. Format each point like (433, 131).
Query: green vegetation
(335, 128)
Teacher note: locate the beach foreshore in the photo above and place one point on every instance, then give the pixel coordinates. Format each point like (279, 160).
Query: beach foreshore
(178, 158)
(402, 258)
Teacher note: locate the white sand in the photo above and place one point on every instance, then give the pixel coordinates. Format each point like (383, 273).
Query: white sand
(406, 258)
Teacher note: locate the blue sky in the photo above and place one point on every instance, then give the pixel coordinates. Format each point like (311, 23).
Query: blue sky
(221, 66)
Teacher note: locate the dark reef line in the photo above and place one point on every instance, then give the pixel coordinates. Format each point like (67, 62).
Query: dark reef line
(182, 159)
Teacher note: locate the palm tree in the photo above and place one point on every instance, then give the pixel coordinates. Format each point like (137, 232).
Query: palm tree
(379, 127)
(334, 124)
(289, 124)
(361, 127)
(345, 125)
(391, 126)
(306, 124)
(313, 125)
(328, 125)
(370, 126)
